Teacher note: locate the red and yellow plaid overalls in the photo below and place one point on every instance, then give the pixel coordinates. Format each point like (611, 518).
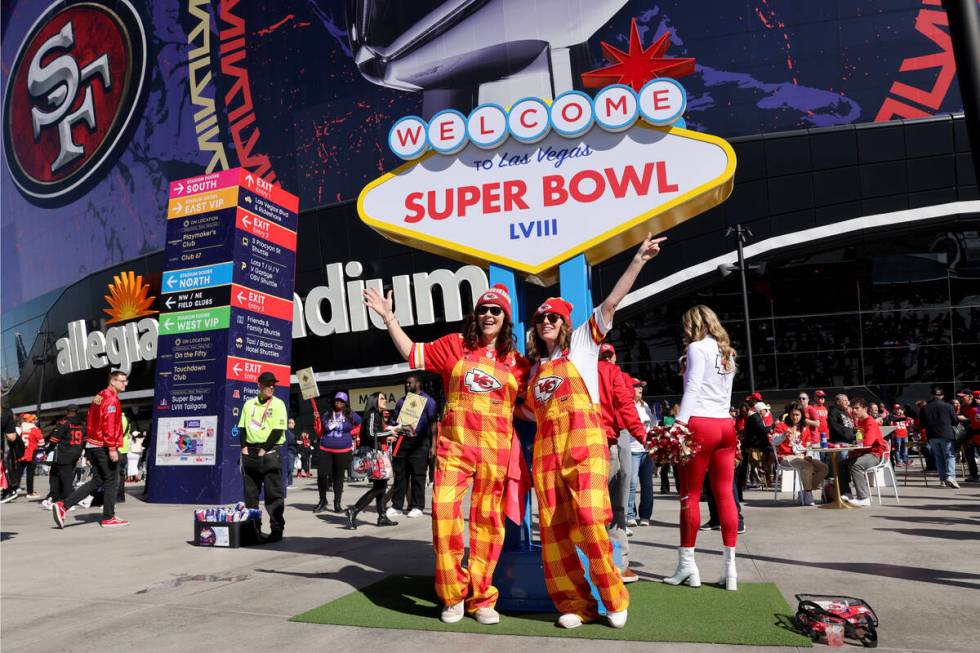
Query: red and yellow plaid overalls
(474, 448)
(571, 470)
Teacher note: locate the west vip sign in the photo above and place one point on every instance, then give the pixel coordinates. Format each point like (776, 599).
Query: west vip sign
(533, 186)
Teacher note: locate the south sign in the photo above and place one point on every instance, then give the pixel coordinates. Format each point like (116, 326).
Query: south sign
(532, 206)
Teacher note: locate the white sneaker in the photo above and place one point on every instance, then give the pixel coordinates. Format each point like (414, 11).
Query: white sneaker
(73, 508)
(452, 613)
(487, 616)
(570, 620)
(86, 502)
(951, 482)
(808, 498)
(629, 532)
(391, 513)
(644, 522)
(46, 504)
(631, 523)
(617, 619)
(859, 502)
(415, 512)
(845, 497)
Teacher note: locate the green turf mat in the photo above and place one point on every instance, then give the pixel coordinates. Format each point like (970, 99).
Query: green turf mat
(756, 614)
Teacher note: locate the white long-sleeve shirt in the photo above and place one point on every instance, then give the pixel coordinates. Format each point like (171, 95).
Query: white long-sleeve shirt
(707, 384)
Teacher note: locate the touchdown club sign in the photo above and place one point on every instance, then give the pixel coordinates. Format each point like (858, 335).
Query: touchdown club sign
(531, 187)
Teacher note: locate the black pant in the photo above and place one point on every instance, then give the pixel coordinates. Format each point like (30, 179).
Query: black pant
(410, 468)
(665, 478)
(377, 492)
(105, 475)
(263, 472)
(304, 460)
(123, 468)
(62, 473)
(331, 467)
(30, 467)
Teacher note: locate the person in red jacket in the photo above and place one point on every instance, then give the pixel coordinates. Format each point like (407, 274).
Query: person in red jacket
(621, 423)
(791, 437)
(860, 462)
(31, 436)
(103, 437)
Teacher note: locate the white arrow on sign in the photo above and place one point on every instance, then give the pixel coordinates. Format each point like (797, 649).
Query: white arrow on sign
(178, 207)
(171, 282)
(180, 187)
(598, 194)
(237, 369)
(241, 297)
(169, 301)
(245, 221)
(249, 179)
(168, 323)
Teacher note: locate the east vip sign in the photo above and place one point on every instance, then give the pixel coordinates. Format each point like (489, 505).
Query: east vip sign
(535, 185)
(227, 307)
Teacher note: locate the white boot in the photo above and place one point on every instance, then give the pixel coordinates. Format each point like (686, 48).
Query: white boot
(687, 569)
(728, 575)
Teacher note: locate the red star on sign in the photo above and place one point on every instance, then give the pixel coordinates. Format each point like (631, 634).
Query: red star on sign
(638, 66)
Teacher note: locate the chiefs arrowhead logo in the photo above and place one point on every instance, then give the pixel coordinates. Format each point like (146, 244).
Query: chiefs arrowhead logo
(545, 388)
(478, 381)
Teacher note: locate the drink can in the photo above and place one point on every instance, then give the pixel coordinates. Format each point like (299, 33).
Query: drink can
(823, 440)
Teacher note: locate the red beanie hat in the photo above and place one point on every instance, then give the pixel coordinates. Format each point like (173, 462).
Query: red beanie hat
(558, 306)
(497, 295)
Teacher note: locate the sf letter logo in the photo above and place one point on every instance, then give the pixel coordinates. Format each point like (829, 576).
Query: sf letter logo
(74, 90)
(478, 381)
(56, 86)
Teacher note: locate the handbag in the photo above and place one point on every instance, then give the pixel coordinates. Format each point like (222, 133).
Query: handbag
(373, 463)
(815, 613)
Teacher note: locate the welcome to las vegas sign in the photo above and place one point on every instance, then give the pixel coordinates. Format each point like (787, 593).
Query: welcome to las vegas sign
(533, 186)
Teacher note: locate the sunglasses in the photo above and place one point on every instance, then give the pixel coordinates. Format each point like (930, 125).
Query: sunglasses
(551, 317)
(492, 310)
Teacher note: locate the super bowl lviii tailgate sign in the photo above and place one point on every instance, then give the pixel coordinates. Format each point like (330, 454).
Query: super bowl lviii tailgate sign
(533, 185)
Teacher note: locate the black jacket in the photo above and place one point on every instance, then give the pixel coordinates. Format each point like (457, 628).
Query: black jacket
(841, 426)
(756, 435)
(938, 419)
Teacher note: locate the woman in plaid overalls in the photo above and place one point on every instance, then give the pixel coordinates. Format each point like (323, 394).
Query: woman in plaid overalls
(571, 464)
(483, 375)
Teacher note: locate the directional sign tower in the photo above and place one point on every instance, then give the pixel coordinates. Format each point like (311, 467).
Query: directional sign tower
(227, 287)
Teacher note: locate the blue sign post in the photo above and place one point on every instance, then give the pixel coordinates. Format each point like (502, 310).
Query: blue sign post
(227, 291)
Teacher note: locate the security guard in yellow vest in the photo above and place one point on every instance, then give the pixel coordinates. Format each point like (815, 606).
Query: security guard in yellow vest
(263, 421)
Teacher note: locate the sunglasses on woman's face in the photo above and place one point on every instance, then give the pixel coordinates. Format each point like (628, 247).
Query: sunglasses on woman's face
(492, 310)
(551, 317)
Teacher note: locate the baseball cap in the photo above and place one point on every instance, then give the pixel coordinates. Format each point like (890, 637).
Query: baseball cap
(937, 392)
(267, 377)
(819, 393)
(558, 306)
(637, 382)
(760, 406)
(341, 396)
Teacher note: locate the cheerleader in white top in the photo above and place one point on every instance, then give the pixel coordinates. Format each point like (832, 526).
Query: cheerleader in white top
(705, 412)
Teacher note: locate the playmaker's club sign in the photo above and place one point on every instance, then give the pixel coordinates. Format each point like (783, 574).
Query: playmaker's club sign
(533, 186)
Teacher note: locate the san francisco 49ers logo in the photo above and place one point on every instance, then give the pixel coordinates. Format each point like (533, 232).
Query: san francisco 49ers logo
(545, 387)
(73, 90)
(479, 381)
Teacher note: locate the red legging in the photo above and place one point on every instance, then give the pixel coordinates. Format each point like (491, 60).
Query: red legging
(717, 456)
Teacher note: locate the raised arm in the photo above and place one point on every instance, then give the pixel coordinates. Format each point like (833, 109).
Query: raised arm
(382, 306)
(649, 248)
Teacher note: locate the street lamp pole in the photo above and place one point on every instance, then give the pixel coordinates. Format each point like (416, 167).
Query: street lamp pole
(742, 234)
(42, 362)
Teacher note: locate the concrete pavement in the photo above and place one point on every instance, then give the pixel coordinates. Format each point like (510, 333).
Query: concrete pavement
(144, 587)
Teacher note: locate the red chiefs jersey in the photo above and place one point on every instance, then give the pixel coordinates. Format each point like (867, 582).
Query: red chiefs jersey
(616, 401)
(818, 414)
(32, 438)
(104, 425)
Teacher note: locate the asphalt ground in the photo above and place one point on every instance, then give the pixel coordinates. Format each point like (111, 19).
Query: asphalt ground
(145, 587)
